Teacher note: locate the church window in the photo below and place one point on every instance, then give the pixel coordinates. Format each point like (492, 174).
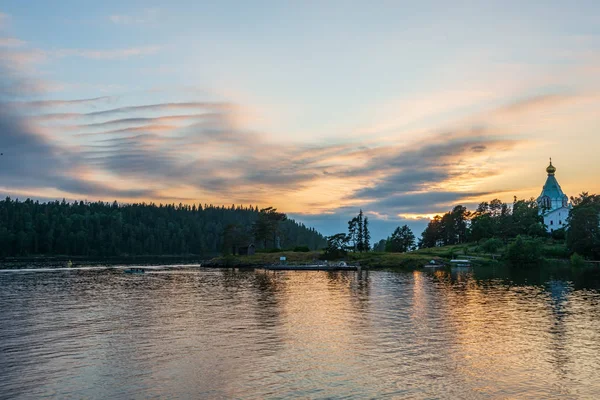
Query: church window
(551, 222)
(560, 222)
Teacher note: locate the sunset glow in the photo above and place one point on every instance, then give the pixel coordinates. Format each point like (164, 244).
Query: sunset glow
(316, 109)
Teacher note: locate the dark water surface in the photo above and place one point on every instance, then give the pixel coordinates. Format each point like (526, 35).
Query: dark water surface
(194, 333)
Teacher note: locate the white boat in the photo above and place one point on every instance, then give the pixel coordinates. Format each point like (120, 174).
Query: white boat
(460, 263)
(433, 264)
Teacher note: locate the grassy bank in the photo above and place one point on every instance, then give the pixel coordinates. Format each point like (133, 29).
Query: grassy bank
(371, 260)
(260, 259)
(550, 250)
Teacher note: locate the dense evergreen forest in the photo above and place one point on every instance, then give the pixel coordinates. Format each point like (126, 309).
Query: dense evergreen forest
(102, 229)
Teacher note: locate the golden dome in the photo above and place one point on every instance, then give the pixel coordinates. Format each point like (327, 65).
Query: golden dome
(551, 169)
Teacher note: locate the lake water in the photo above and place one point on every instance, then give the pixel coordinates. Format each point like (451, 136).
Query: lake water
(194, 333)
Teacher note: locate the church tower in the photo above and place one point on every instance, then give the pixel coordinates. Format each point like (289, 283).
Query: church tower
(553, 203)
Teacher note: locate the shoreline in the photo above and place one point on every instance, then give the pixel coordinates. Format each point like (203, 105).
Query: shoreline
(294, 260)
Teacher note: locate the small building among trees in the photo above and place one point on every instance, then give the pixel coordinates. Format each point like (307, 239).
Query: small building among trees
(248, 250)
(553, 204)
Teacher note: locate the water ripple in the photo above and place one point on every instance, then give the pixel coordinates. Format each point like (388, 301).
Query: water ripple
(189, 333)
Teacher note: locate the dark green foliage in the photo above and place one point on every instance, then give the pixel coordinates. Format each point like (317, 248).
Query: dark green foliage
(490, 220)
(234, 237)
(491, 245)
(559, 234)
(577, 261)
(358, 233)
(301, 249)
(269, 250)
(583, 235)
(401, 241)
(432, 236)
(446, 230)
(353, 232)
(525, 219)
(108, 229)
(366, 235)
(337, 246)
(380, 246)
(524, 252)
(267, 226)
(497, 219)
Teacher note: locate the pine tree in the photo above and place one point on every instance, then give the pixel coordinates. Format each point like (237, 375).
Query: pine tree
(360, 235)
(366, 235)
(352, 232)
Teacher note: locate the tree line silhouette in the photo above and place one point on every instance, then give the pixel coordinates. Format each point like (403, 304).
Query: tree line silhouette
(101, 229)
(490, 220)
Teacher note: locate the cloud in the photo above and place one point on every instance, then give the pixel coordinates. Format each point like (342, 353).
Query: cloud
(11, 42)
(415, 203)
(535, 103)
(158, 107)
(145, 120)
(144, 129)
(407, 180)
(109, 54)
(19, 78)
(130, 109)
(149, 15)
(211, 153)
(32, 160)
(62, 103)
(19, 60)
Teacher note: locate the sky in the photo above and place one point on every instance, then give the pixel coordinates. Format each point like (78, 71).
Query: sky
(318, 108)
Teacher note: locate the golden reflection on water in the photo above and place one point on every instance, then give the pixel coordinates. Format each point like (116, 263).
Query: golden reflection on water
(519, 341)
(293, 334)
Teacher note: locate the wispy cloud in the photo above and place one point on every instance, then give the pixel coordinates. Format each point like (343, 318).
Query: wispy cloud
(26, 58)
(62, 103)
(11, 42)
(22, 59)
(19, 75)
(216, 156)
(134, 109)
(200, 149)
(108, 54)
(33, 160)
(148, 15)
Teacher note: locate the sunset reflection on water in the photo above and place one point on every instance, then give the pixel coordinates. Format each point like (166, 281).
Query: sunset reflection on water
(257, 334)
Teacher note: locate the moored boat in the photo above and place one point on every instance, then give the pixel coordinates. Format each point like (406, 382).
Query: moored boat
(433, 264)
(460, 263)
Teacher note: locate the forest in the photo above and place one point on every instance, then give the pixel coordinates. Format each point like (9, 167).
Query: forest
(493, 219)
(102, 229)
(495, 222)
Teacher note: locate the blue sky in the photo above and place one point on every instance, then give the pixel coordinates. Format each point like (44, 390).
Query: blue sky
(317, 108)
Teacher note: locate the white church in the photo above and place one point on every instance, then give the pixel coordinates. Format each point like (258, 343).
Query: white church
(553, 204)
